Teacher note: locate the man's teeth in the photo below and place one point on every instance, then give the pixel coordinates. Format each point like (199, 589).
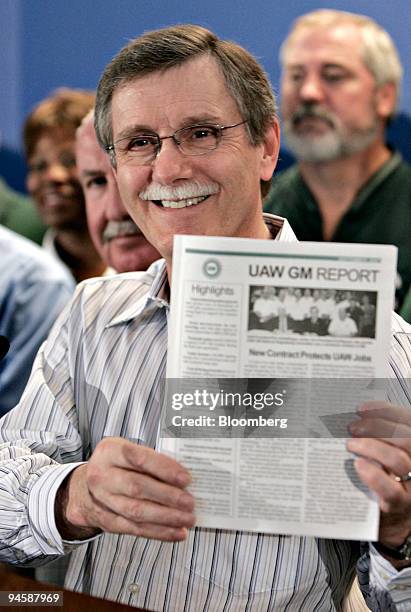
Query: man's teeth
(183, 203)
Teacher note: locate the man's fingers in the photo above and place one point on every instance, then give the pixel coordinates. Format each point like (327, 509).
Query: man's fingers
(391, 494)
(133, 485)
(115, 523)
(378, 427)
(148, 461)
(168, 534)
(128, 455)
(386, 411)
(391, 457)
(143, 511)
(133, 489)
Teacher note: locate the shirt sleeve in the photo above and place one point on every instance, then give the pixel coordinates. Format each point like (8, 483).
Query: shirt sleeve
(40, 443)
(33, 302)
(390, 589)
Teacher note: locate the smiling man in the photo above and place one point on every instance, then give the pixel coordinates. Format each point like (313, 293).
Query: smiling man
(116, 236)
(186, 160)
(190, 125)
(341, 78)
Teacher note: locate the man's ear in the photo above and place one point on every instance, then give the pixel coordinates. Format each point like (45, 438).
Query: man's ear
(271, 149)
(386, 98)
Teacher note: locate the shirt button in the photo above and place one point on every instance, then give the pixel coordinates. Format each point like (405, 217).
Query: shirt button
(133, 587)
(50, 542)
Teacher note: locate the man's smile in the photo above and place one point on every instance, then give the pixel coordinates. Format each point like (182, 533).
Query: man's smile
(191, 193)
(183, 203)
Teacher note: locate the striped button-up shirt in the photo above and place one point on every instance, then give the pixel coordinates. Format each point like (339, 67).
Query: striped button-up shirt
(99, 374)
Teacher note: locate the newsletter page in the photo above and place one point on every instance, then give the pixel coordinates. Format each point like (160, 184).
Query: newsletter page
(272, 346)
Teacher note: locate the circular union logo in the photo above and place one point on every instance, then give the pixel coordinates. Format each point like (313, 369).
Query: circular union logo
(212, 268)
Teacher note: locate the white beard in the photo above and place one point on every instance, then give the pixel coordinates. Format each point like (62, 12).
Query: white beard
(329, 146)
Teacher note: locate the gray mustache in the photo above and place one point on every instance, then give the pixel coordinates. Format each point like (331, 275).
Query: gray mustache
(307, 111)
(120, 228)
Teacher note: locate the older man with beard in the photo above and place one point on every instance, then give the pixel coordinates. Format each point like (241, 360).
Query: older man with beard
(340, 86)
(116, 237)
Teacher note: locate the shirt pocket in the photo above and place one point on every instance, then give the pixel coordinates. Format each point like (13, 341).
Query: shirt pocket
(247, 563)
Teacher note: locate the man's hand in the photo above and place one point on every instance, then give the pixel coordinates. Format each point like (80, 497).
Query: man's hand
(126, 488)
(382, 439)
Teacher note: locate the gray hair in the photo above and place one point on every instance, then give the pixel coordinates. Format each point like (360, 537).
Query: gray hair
(378, 51)
(162, 49)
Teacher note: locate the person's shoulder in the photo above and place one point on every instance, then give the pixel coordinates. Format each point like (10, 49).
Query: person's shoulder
(111, 300)
(285, 179)
(287, 176)
(283, 190)
(12, 197)
(401, 161)
(402, 169)
(18, 213)
(23, 258)
(400, 347)
(112, 282)
(400, 326)
(117, 285)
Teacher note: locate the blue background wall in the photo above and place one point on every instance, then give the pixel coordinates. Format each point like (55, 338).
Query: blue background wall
(45, 44)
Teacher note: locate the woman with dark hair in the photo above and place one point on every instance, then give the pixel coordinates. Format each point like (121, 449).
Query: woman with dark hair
(49, 139)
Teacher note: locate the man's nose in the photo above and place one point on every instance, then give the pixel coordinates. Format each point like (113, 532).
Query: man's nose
(311, 89)
(57, 173)
(170, 164)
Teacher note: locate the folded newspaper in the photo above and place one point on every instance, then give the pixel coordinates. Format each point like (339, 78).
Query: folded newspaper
(272, 346)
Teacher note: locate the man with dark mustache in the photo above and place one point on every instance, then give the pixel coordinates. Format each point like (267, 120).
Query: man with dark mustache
(340, 87)
(116, 237)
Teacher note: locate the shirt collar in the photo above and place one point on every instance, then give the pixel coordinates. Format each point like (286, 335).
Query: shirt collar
(280, 228)
(156, 276)
(156, 279)
(365, 191)
(376, 179)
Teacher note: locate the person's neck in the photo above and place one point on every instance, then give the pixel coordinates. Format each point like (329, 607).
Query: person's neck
(77, 251)
(256, 229)
(336, 183)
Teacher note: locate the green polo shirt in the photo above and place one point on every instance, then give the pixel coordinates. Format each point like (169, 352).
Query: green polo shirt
(405, 311)
(379, 214)
(19, 214)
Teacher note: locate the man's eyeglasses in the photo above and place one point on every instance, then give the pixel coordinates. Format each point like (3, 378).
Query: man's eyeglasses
(193, 140)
